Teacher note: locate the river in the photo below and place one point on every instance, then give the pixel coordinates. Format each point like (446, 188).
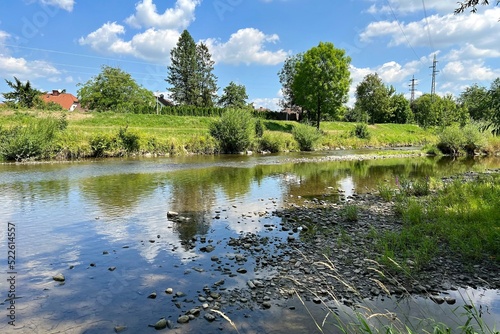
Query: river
(104, 225)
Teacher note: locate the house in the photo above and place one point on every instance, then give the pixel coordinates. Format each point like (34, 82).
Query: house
(65, 100)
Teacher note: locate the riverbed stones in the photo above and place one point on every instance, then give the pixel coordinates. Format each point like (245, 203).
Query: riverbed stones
(161, 324)
(209, 317)
(169, 291)
(59, 278)
(183, 319)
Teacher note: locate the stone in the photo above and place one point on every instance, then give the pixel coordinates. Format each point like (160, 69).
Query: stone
(112, 268)
(119, 329)
(266, 304)
(169, 291)
(59, 278)
(161, 324)
(183, 319)
(152, 295)
(209, 317)
(172, 214)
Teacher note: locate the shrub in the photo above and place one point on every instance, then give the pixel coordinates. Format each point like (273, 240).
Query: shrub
(361, 131)
(451, 140)
(128, 140)
(233, 131)
(277, 142)
(306, 136)
(474, 138)
(33, 141)
(259, 128)
(101, 144)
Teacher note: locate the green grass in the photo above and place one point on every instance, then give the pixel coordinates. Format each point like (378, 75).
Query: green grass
(167, 134)
(460, 217)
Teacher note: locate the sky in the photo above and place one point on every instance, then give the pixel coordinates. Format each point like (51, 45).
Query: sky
(59, 44)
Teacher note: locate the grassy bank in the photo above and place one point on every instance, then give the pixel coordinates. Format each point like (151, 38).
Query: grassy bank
(117, 134)
(459, 217)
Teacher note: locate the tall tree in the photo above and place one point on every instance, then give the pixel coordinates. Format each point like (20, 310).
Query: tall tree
(114, 90)
(23, 95)
(494, 94)
(401, 111)
(321, 83)
(374, 98)
(286, 76)
(207, 81)
(477, 101)
(234, 96)
(183, 71)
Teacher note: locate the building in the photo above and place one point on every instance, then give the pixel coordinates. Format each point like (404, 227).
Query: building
(65, 100)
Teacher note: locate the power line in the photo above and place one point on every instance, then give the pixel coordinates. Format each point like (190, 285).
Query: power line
(401, 28)
(428, 27)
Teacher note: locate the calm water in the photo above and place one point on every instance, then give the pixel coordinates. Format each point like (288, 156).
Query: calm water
(82, 218)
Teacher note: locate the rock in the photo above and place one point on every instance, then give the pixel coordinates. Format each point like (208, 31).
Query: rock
(251, 285)
(105, 253)
(59, 278)
(207, 249)
(241, 270)
(180, 294)
(214, 258)
(161, 324)
(172, 214)
(152, 295)
(170, 324)
(450, 300)
(119, 329)
(183, 319)
(266, 304)
(209, 317)
(169, 291)
(437, 299)
(112, 268)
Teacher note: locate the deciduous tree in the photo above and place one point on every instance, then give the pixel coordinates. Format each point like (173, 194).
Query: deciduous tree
(373, 98)
(114, 90)
(322, 79)
(286, 76)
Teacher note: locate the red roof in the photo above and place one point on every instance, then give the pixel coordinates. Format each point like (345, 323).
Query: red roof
(65, 100)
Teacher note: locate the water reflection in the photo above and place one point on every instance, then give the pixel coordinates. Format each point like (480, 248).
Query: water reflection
(113, 213)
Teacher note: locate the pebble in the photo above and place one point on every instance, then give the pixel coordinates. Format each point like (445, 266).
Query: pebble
(183, 319)
(59, 278)
(169, 291)
(209, 317)
(161, 324)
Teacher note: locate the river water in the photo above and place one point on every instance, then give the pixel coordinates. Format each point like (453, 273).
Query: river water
(103, 224)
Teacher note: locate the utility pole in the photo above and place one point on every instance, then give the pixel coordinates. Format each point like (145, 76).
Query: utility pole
(434, 72)
(412, 89)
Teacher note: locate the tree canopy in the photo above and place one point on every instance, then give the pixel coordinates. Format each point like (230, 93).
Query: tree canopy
(472, 4)
(286, 76)
(373, 98)
(234, 96)
(190, 73)
(321, 82)
(23, 94)
(114, 90)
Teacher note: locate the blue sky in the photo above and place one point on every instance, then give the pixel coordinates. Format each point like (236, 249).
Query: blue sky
(57, 44)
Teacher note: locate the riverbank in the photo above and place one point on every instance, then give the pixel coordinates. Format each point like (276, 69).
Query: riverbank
(87, 135)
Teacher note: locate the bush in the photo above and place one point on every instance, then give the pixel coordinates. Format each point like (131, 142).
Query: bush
(277, 142)
(361, 131)
(468, 139)
(128, 140)
(233, 131)
(101, 144)
(33, 141)
(451, 140)
(306, 136)
(259, 128)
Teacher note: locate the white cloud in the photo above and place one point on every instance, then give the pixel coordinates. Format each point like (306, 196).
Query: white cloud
(444, 31)
(104, 38)
(269, 103)
(64, 4)
(24, 69)
(407, 7)
(469, 51)
(152, 45)
(173, 18)
(468, 70)
(246, 46)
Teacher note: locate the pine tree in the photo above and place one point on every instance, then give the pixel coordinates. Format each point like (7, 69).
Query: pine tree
(182, 73)
(207, 81)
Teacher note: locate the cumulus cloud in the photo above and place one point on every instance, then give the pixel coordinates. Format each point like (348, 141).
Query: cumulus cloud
(64, 4)
(246, 46)
(468, 70)
(445, 30)
(178, 17)
(24, 69)
(407, 7)
(152, 44)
